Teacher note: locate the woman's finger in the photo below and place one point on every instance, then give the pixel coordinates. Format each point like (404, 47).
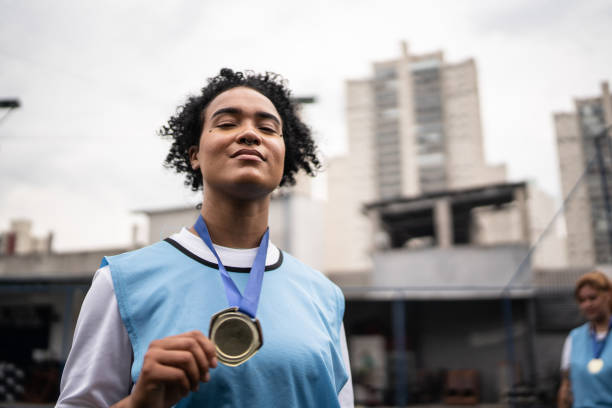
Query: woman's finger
(170, 376)
(201, 357)
(207, 346)
(197, 344)
(190, 341)
(181, 359)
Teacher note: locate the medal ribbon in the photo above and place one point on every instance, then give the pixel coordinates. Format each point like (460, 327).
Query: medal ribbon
(248, 301)
(598, 346)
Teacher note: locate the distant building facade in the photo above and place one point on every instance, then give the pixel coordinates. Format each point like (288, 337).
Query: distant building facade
(413, 127)
(19, 240)
(588, 240)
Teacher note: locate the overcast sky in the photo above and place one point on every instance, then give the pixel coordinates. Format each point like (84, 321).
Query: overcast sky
(97, 79)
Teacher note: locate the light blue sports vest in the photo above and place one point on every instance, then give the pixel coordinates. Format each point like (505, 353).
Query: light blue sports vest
(164, 290)
(590, 390)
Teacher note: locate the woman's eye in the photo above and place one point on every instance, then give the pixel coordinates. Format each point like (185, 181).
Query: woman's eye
(225, 125)
(267, 129)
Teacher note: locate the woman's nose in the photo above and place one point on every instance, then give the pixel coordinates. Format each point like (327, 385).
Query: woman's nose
(249, 137)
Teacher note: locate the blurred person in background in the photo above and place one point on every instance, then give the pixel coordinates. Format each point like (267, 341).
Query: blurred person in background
(139, 339)
(586, 363)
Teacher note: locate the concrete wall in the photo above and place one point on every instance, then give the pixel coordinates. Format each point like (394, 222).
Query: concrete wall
(465, 165)
(580, 250)
(163, 224)
(447, 272)
(408, 144)
(501, 225)
(296, 226)
(465, 157)
(551, 250)
(351, 183)
(74, 264)
(497, 225)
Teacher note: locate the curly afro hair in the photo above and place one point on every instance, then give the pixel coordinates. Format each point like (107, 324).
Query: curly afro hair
(185, 127)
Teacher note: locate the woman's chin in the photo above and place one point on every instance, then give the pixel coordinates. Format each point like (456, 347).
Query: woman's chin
(593, 317)
(248, 189)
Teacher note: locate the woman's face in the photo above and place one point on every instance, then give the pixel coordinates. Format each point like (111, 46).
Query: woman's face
(593, 303)
(241, 150)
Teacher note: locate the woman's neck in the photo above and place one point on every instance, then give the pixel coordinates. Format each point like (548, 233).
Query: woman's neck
(603, 323)
(235, 223)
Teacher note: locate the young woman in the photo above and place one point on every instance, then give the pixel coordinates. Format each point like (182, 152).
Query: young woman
(215, 315)
(586, 364)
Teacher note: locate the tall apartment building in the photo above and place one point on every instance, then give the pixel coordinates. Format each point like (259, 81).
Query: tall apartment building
(413, 127)
(588, 242)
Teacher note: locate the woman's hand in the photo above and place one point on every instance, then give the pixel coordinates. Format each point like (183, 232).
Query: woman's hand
(172, 367)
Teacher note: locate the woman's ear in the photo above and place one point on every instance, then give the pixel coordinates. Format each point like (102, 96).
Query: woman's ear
(193, 157)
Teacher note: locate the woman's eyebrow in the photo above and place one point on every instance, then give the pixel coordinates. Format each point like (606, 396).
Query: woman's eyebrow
(231, 111)
(237, 111)
(266, 115)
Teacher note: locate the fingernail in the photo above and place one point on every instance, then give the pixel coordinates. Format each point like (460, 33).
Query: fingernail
(207, 377)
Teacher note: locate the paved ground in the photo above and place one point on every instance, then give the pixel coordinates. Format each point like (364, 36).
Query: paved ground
(445, 406)
(23, 405)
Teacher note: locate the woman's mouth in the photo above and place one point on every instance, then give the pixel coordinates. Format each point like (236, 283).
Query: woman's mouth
(248, 154)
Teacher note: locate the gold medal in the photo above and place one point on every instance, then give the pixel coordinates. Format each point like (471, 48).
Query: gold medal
(595, 365)
(236, 336)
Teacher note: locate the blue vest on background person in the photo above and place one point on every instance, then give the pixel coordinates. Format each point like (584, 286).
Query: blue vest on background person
(589, 390)
(163, 291)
